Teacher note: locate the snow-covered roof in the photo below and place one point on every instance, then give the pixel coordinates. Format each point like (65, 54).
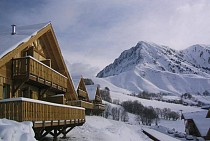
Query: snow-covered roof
(158, 135)
(195, 115)
(91, 89)
(203, 125)
(8, 42)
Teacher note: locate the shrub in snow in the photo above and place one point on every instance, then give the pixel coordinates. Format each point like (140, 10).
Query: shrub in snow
(124, 116)
(206, 93)
(15, 131)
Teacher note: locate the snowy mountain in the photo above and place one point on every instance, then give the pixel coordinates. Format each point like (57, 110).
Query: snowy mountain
(155, 68)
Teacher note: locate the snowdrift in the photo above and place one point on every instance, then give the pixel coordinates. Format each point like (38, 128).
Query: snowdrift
(15, 131)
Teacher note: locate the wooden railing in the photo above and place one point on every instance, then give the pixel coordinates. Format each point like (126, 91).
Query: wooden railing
(99, 107)
(25, 109)
(82, 93)
(80, 103)
(30, 66)
(98, 98)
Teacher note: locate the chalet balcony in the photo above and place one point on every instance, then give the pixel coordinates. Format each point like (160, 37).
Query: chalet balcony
(37, 73)
(97, 98)
(41, 113)
(100, 107)
(82, 93)
(80, 103)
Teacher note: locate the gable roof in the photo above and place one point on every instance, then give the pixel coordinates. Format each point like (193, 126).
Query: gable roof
(91, 89)
(203, 125)
(199, 119)
(8, 42)
(195, 115)
(26, 35)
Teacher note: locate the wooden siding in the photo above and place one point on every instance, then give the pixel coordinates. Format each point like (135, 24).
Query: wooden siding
(208, 114)
(38, 71)
(45, 47)
(60, 99)
(80, 103)
(36, 111)
(82, 93)
(100, 107)
(98, 98)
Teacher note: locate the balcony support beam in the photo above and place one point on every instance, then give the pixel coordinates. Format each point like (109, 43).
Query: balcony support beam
(17, 85)
(42, 92)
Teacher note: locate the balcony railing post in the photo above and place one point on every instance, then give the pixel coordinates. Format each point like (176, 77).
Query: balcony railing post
(30, 66)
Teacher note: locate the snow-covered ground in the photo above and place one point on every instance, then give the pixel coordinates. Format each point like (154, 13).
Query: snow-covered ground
(15, 131)
(123, 95)
(101, 129)
(98, 128)
(178, 125)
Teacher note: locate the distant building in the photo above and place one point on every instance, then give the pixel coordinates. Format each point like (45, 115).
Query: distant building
(197, 123)
(83, 98)
(95, 98)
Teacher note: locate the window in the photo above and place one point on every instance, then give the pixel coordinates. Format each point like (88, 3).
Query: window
(6, 91)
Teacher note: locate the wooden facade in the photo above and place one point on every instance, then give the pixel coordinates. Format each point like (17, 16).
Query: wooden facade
(208, 114)
(95, 98)
(83, 98)
(81, 91)
(33, 68)
(37, 61)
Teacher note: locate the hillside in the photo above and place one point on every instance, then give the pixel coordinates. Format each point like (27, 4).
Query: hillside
(123, 95)
(159, 69)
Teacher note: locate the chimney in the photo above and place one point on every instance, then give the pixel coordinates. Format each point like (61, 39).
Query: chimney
(13, 29)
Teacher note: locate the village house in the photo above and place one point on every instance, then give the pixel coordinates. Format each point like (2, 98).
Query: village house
(95, 97)
(83, 98)
(35, 84)
(197, 123)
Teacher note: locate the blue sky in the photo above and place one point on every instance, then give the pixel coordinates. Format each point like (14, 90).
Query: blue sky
(92, 33)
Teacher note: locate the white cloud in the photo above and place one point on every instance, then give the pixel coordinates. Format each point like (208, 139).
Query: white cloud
(81, 69)
(96, 32)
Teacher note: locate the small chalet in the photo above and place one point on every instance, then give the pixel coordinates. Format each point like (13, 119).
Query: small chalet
(35, 84)
(95, 98)
(83, 98)
(197, 124)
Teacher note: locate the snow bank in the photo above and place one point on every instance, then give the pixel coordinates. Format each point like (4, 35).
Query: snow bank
(15, 131)
(101, 129)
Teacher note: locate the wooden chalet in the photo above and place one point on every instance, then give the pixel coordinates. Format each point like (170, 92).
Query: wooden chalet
(95, 98)
(33, 77)
(197, 124)
(83, 98)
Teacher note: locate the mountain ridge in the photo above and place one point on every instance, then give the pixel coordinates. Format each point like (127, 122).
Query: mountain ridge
(139, 64)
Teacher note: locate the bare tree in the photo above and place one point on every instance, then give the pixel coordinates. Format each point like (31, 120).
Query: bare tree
(124, 116)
